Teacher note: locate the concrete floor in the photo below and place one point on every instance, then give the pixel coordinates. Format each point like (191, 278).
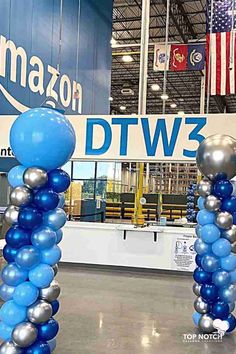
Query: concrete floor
(123, 313)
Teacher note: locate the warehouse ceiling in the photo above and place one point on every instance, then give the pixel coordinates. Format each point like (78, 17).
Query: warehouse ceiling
(187, 23)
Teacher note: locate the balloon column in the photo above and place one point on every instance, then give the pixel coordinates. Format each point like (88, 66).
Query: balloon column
(42, 140)
(215, 275)
(190, 212)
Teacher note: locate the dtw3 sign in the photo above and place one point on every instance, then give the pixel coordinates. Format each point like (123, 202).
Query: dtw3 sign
(40, 78)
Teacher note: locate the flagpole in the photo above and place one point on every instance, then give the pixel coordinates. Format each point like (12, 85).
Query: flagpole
(209, 59)
(166, 54)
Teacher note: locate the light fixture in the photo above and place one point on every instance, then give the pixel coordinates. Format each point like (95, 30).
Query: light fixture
(113, 42)
(155, 87)
(173, 105)
(110, 99)
(122, 108)
(181, 113)
(164, 97)
(127, 58)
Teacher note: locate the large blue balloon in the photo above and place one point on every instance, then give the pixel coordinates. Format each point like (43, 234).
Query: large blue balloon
(42, 137)
(202, 247)
(59, 180)
(223, 189)
(48, 330)
(59, 236)
(221, 278)
(28, 257)
(39, 347)
(220, 310)
(210, 263)
(55, 219)
(196, 318)
(210, 233)
(209, 292)
(200, 203)
(201, 277)
(25, 294)
(55, 307)
(205, 217)
(15, 176)
(6, 292)
(9, 253)
(41, 276)
(232, 323)
(5, 331)
(229, 205)
(13, 275)
(29, 218)
(44, 237)
(17, 237)
(221, 247)
(229, 263)
(46, 199)
(51, 255)
(228, 294)
(12, 314)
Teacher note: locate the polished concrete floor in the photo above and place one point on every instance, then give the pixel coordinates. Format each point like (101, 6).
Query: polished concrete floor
(128, 313)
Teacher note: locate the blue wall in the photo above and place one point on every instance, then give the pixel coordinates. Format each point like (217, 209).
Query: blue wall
(34, 25)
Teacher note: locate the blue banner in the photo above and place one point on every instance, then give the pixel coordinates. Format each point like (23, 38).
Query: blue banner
(196, 56)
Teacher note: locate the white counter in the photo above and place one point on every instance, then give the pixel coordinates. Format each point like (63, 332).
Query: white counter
(156, 247)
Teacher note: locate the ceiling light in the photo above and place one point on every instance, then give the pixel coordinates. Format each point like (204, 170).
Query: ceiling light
(164, 96)
(173, 105)
(127, 59)
(113, 42)
(155, 87)
(122, 108)
(110, 99)
(181, 113)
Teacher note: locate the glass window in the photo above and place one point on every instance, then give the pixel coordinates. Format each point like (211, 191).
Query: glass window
(67, 168)
(83, 170)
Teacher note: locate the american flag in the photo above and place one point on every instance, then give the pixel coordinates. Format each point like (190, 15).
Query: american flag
(221, 46)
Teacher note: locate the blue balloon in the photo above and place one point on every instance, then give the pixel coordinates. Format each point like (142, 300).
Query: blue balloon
(17, 237)
(196, 317)
(209, 292)
(229, 205)
(221, 247)
(232, 323)
(210, 263)
(229, 263)
(220, 310)
(228, 293)
(46, 199)
(61, 200)
(9, 253)
(59, 236)
(44, 237)
(234, 218)
(59, 180)
(52, 344)
(28, 257)
(55, 219)
(41, 276)
(233, 276)
(210, 233)
(39, 347)
(205, 217)
(6, 292)
(231, 306)
(13, 275)
(15, 176)
(5, 331)
(57, 138)
(223, 189)
(12, 314)
(55, 307)
(198, 260)
(201, 277)
(48, 330)
(25, 294)
(221, 278)
(51, 255)
(200, 203)
(202, 247)
(29, 218)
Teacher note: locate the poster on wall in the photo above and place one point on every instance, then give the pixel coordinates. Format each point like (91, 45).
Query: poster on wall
(183, 254)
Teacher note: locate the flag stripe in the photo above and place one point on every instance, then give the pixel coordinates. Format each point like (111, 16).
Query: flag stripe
(222, 64)
(227, 68)
(213, 60)
(232, 64)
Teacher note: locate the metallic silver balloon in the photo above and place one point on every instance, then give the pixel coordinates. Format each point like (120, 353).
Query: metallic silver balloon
(55, 268)
(35, 177)
(196, 289)
(51, 293)
(206, 324)
(11, 214)
(216, 156)
(212, 203)
(230, 234)
(233, 247)
(231, 306)
(224, 220)
(201, 306)
(21, 196)
(10, 348)
(39, 312)
(204, 188)
(24, 334)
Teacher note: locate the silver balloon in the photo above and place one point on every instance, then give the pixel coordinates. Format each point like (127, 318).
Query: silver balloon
(230, 234)
(201, 306)
(233, 247)
(35, 177)
(24, 334)
(204, 188)
(39, 312)
(216, 156)
(10, 348)
(11, 214)
(212, 203)
(206, 324)
(224, 220)
(21, 196)
(55, 268)
(231, 306)
(51, 293)
(196, 289)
